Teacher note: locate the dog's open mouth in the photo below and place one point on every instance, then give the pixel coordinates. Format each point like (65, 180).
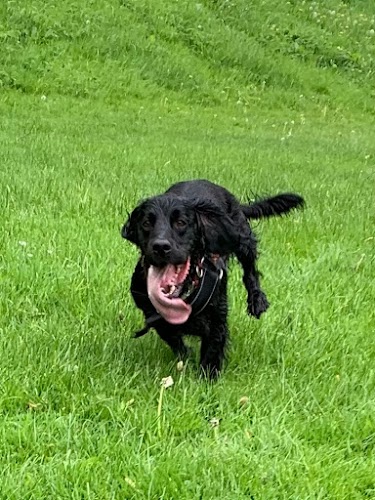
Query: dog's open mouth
(167, 289)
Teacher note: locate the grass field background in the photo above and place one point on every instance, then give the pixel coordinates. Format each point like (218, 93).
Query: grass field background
(105, 103)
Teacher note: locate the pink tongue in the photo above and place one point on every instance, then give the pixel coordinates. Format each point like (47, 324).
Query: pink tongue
(173, 310)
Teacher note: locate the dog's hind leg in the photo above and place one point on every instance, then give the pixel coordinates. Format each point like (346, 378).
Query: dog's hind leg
(213, 351)
(173, 339)
(214, 335)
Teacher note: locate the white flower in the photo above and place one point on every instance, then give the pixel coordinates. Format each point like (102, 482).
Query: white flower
(180, 366)
(215, 422)
(167, 382)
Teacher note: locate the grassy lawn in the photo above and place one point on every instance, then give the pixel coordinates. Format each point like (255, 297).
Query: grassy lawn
(105, 103)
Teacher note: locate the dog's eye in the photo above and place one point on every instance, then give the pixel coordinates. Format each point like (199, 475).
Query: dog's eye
(146, 224)
(180, 223)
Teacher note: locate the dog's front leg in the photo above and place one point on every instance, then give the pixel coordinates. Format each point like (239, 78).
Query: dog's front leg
(257, 302)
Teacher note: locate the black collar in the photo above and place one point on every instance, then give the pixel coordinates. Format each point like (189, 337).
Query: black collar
(209, 273)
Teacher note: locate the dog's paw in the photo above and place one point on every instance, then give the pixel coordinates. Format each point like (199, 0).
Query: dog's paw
(257, 304)
(210, 372)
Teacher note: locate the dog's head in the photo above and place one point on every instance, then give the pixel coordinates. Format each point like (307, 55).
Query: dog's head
(173, 234)
(169, 229)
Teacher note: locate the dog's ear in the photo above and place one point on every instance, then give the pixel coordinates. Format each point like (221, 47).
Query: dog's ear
(218, 231)
(129, 230)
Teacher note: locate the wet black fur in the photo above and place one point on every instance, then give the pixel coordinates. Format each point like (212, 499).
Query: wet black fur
(197, 218)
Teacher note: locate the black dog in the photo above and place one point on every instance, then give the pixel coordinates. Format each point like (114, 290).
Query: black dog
(186, 236)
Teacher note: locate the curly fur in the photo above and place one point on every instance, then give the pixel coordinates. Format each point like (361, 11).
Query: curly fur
(190, 220)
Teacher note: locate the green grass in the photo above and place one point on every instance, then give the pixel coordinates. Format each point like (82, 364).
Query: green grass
(105, 103)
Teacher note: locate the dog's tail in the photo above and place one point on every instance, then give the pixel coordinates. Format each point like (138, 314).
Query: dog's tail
(275, 205)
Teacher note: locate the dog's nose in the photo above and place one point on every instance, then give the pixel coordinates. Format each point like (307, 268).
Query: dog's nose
(161, 248)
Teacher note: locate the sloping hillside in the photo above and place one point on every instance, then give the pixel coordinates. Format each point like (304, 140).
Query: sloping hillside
(203, 52)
